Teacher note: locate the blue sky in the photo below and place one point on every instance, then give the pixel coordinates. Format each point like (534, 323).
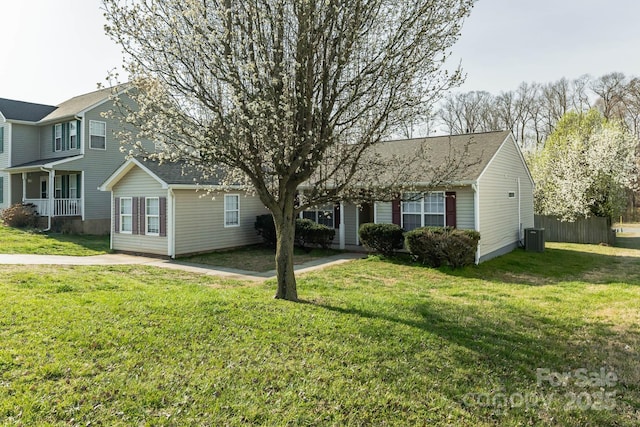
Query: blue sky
(54, 50)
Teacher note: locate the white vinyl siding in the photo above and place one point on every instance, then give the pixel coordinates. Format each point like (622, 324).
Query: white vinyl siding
(384, 213)
(231, 210)
(97, 135)
(499, 223)
(138, 183)
(200, 226)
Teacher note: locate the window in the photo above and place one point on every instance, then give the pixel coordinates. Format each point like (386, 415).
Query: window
(73, 186)
(423, 210)
(73, 135)
(44, 187)
(57, 183)
(126, 215)
(57, 137)
(98, 135)
(152, 216)
(323, 215)
(231, 210)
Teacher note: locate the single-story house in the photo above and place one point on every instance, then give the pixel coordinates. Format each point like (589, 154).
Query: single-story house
(159, 209)
(492, 194)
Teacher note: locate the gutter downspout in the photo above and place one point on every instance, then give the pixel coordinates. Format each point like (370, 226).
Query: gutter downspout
(171, 224)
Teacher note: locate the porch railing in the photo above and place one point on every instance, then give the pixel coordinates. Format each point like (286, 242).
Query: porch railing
(61, 207)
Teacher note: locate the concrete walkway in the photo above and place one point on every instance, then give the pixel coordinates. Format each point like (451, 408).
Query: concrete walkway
(122, 259)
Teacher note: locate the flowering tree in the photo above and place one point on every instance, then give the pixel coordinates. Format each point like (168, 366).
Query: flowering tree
(585, 169)
(271, 94)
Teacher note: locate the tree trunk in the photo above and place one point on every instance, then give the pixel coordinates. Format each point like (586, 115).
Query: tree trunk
(285, 233)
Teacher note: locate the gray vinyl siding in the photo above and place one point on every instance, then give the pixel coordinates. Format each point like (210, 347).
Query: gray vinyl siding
(138, 183)
(16, 189)
(199, 222)
(25, 144)
(383, 213)
(99, 164)
(46, 144)
(499, 224)
(350, 224)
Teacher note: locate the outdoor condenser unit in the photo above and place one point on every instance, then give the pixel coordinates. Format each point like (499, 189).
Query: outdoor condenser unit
(534, 239)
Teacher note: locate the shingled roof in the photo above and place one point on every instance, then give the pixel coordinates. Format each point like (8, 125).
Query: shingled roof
(478, 148)
(80, 103)
(24, 111)
(177, 173)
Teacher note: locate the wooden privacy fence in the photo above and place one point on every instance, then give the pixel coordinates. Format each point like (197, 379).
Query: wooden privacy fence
(591, 230)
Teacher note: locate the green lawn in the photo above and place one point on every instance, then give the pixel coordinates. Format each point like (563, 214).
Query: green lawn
(374, 343)
(16, 241)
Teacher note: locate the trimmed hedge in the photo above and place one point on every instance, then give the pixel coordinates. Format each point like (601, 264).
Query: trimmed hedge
(437, 246)
(311, 233)
(381, 238)
(308, 233)
(266, 228)
(20, 216)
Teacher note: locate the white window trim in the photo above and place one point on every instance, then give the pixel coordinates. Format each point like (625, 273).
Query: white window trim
(73, 145)
(73, 185)
(316, 215)
(147, 215)
(92, 134)
(422, 212)
(122, 215)
(228, 196)
(57, 186)
(57, 138)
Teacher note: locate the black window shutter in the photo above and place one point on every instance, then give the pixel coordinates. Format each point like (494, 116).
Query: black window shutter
(163, 216)
(143, 216)
(116, 215)
(134, 215)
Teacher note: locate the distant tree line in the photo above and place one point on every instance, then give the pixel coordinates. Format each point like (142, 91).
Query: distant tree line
(533, 110)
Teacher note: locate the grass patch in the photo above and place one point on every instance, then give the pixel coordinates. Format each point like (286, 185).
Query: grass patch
(376, 343)
(16, 241)
(255, 258)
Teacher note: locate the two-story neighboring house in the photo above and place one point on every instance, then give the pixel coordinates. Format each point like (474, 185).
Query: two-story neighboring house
(55, 157)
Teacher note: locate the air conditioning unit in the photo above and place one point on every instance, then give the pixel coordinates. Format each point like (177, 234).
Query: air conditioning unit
(534, 239)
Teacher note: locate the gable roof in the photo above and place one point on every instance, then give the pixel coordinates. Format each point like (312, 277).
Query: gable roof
(168, 174)
(479, 149)
(80, 103)
(24, 111)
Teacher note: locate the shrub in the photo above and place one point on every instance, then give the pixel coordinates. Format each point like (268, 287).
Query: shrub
(307, 233)
(311, 233)
(266, 228)
(20, 216)
(381, 238)
(436, 246)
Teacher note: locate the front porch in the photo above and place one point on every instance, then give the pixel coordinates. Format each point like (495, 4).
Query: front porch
(61, 207)
(54, 193)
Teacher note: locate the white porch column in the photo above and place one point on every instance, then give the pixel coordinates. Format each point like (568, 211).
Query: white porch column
(24, 186)
(342, 227)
